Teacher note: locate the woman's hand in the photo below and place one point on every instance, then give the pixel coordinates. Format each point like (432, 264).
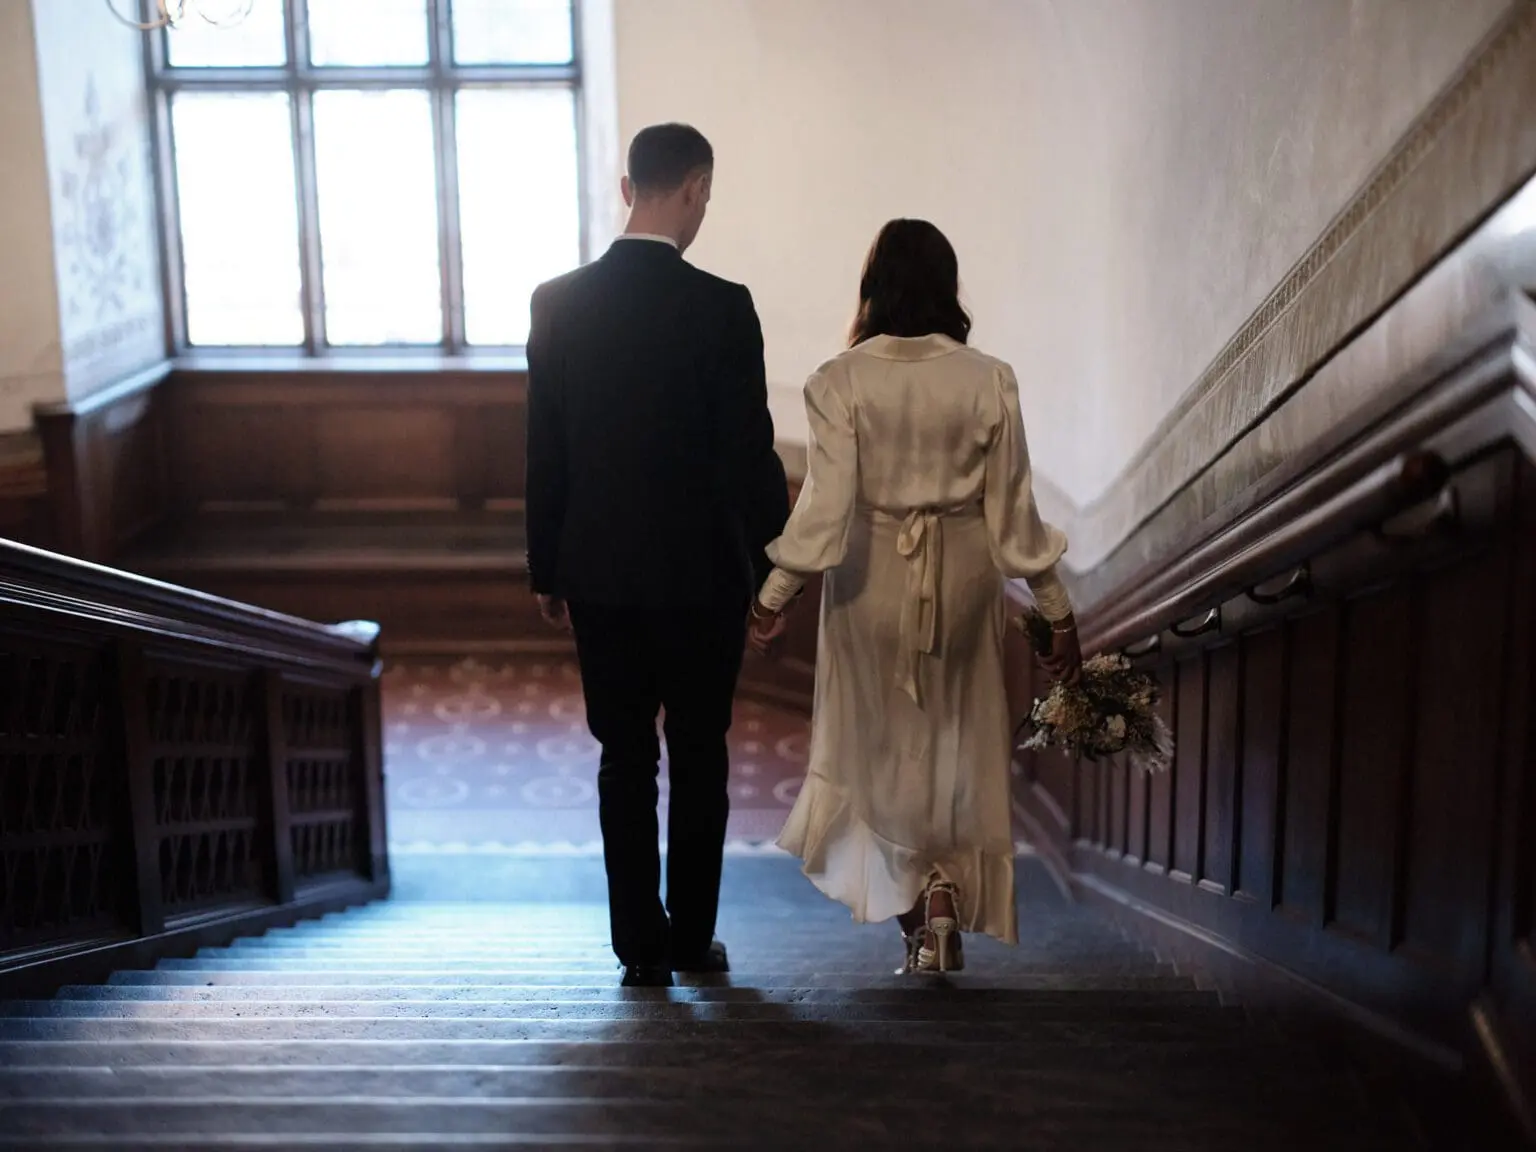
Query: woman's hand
(1065, 663)
(765, 630)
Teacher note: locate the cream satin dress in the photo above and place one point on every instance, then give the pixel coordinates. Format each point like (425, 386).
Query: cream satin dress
(917, 504)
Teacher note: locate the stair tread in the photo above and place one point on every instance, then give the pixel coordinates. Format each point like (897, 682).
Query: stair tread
(1021, 990)
(716, 1118)
(979, 1010)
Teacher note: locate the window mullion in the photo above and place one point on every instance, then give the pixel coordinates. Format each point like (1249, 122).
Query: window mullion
(168, 219)
(451, 253)
(301, 100)
(446, 152)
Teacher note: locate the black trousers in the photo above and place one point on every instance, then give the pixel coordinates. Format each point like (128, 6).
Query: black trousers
(634, 665)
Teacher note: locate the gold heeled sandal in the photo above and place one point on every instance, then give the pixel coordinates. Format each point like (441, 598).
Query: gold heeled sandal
(941, 950)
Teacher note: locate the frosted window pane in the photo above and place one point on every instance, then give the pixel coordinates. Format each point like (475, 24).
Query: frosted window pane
(378, 217)
(239, 218)
(259, 40)
(359, 33)
(519, 207)
(512, 31)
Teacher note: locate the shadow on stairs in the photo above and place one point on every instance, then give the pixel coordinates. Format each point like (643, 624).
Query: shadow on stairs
(433, 1025)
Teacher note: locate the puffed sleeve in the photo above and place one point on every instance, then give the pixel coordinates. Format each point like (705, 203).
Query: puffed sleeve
(816, 537)
(1023, 545)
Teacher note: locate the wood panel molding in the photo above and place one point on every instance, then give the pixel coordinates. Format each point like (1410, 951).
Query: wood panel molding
(1348, 674)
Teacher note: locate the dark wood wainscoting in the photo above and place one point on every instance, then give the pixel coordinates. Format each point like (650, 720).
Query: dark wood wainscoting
(108, 461)
(1353, 795)
(24, 490)
(347, 441)
(175, 770)
(393, 493)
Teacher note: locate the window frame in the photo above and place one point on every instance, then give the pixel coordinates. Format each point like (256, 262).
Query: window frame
(441, 78)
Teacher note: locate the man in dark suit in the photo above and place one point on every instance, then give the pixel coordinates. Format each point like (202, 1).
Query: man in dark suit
(653, 488)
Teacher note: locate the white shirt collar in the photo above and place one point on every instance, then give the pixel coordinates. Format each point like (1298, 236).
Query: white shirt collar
(667, 240)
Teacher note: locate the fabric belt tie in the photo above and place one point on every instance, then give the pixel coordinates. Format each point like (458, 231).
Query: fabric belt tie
(920, 541)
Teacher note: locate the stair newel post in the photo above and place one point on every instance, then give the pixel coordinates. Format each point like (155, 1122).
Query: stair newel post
(369, 756)
(132, 720)
(279, 841)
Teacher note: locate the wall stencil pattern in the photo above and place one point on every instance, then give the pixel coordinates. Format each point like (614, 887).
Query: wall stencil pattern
(100, 174)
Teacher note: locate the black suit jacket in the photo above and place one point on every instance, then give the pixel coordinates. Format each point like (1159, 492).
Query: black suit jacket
(652, 476)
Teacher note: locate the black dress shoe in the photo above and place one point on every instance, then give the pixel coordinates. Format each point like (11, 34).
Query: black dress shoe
(646, 976)
(713, 959)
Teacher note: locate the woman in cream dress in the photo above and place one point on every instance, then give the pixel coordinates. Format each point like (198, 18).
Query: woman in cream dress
(916, 505)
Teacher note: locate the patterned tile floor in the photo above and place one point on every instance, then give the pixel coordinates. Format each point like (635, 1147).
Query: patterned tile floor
(494, 755)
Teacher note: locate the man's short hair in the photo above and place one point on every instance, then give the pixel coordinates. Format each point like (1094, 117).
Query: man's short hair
(662, 156)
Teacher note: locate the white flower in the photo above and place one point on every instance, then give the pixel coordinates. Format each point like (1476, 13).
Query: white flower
(1115, 727)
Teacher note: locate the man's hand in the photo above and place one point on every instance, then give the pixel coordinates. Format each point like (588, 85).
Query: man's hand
(1065, 663)
(552, 608)
(766, 630)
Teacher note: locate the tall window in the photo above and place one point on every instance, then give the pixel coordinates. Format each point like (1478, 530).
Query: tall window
(368, 173)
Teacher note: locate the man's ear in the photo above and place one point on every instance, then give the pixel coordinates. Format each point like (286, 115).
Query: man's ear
(628, 191)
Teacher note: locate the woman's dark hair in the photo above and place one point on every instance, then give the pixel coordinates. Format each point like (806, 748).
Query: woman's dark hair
(910, 286)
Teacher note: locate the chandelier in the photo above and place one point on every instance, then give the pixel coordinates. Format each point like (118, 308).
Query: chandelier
(174, 13)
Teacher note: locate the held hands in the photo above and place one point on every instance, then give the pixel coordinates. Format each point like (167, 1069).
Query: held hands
(552, 608)
(765, 630)
(1065, 662)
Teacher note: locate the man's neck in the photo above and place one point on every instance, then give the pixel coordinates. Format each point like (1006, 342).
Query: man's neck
(651, 238)
(645, 224)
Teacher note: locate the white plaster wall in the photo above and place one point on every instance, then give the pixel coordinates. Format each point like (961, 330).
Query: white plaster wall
(1125, 180)
(1226, 136)
(827, 120)
(31, 365)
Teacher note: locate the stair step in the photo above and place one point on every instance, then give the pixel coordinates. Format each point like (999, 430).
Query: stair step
(806, 969)
(1131, 1056)
(759, 957)
(1195, 1007)
(871, 977)
(1163, 1138)
(789, 1026)
(1032, 1086)
(854, 1122)
(1024, 990)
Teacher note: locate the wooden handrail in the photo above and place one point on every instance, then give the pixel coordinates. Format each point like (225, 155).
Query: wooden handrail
(33, 578)
(1227, 567)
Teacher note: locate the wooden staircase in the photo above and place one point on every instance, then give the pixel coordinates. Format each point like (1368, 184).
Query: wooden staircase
(432, 1026)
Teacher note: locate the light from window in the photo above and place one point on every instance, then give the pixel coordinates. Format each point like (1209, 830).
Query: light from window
(358, 33)
(378, 217)
(417, 203)
(257, 41)
(519, 207)
(239, 218)
(512, 32)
